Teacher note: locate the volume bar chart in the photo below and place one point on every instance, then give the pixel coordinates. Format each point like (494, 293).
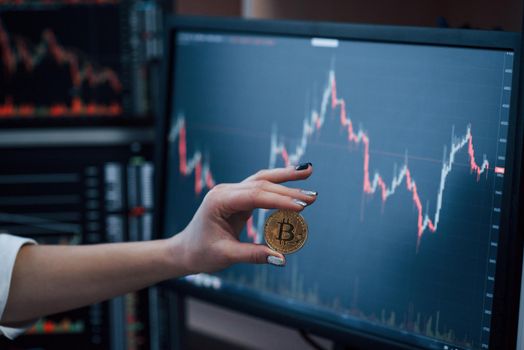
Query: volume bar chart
(64, 326)
(409, 175)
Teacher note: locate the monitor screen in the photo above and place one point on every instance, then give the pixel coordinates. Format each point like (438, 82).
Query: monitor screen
(84, 59)
(408, 144)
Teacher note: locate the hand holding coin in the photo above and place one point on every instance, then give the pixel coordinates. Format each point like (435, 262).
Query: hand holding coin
(211, 239)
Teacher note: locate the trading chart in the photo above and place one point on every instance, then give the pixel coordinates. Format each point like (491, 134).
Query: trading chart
(76, 59)
(408, 145)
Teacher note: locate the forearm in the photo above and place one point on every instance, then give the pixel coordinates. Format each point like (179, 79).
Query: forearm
(51, 279)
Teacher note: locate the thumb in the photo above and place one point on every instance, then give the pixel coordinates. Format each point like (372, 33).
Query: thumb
(253, 253)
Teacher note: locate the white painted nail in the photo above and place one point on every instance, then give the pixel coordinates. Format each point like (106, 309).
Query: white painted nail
(309, 193)
(275, 260)
(299, 202)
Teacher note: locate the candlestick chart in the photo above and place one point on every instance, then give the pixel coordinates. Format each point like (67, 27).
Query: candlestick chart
(71, 60)
(204, 179)
(408, 163)
(68, 81)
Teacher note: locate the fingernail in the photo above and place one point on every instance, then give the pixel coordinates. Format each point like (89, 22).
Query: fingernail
(309, 193)
(275, 260)
(299, 202)
(303, 166)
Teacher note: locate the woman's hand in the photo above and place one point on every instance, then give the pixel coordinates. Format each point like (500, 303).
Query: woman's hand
(210, 241)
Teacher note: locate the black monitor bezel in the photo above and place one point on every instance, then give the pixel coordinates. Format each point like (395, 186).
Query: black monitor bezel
(509, 263)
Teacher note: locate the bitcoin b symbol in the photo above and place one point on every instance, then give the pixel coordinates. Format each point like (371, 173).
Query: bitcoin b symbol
(285, 227)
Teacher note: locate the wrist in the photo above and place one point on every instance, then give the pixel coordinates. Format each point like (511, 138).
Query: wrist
(177, 256)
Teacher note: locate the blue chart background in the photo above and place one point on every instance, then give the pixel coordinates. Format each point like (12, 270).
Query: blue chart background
(360, 261)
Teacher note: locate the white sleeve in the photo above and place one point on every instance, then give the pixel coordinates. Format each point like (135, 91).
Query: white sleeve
(9, 247)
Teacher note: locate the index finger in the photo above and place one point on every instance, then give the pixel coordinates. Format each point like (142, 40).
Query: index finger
(279, 175)
(242, 200)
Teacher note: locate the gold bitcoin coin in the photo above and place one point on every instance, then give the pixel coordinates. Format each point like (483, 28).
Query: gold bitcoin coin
(285, 231)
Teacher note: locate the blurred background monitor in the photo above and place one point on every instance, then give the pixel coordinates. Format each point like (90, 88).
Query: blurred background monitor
(79, 62)
(413, 135)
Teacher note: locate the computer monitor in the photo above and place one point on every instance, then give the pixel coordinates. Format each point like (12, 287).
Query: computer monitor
(416, 147)
(79, 62)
